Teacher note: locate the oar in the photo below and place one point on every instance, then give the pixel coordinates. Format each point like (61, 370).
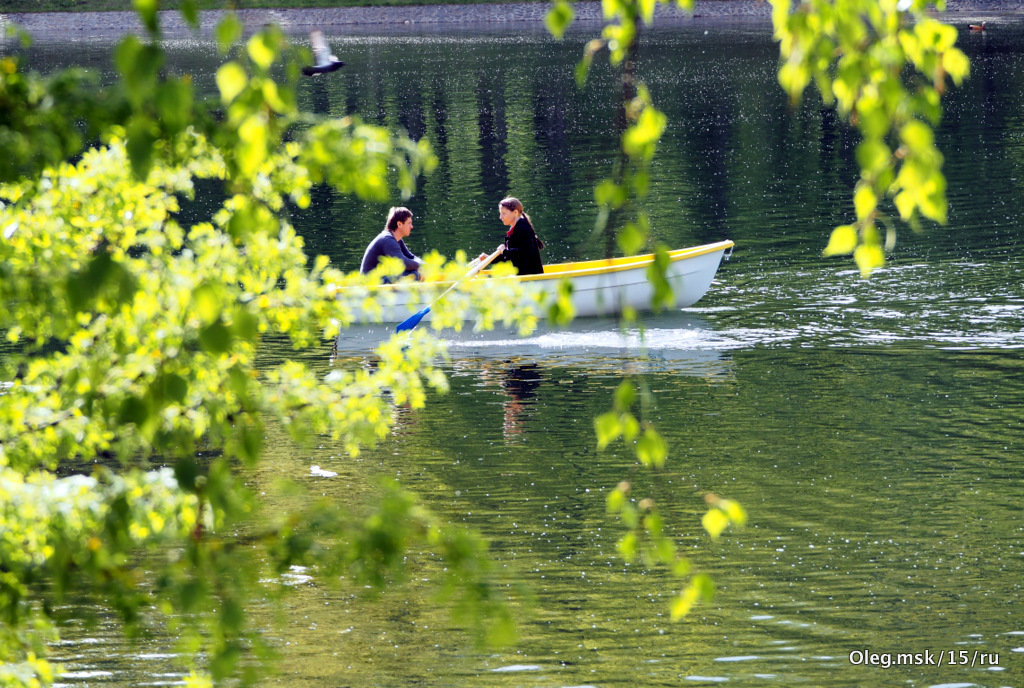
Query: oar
(414, 319)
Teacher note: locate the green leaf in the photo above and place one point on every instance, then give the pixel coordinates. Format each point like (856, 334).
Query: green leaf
(681, 567)
(704, 586)
(918, 136)
(561, 310)
(651, 448)
(666, 551)
(607, 428)
(174, 103)
(244, 325)
(84, 285)
(794, 78)
(683, 603)
(260, 50)
(631, 239)
(714, 522)
(172, 387)
(207, 302)
(134, 410)
(502, 631)
(627, 546)
(142, 134)
(253, 137)
(647, 10)
(663, 296)
(873, 156)
(736, 513)
(610, 194)
(215, 337)
(639, 140)
(147, 10)
(228, 31)
(842, 242)
(231, 80)
(190, 13)
(864, 202)
(186, 472)
(558, 18)
(869, 257)
(582, 71)
(616, 500)
(625, 396)
(956, 65)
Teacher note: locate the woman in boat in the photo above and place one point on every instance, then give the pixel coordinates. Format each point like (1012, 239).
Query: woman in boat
(522, 245)
(391, 242)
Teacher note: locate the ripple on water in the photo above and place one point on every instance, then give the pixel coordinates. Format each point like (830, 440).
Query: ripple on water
(513, 668)
(708, 679)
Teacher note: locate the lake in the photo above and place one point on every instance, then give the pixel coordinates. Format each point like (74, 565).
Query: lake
(871, 428)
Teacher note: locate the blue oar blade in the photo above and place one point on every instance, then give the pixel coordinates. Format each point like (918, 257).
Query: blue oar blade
(412, 321)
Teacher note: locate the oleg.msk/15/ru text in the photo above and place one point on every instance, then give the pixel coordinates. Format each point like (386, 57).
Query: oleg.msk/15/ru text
(926, 658)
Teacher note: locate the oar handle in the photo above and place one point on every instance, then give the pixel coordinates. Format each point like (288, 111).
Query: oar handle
(474, 270)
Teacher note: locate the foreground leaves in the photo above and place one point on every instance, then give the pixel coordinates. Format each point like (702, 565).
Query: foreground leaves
(884, 66)
(621, 215)
(133, 401)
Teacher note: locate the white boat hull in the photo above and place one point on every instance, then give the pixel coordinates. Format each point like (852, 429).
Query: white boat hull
(599, 287)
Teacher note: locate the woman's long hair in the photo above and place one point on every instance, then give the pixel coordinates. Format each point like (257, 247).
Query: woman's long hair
(514, 204)
(396, 215)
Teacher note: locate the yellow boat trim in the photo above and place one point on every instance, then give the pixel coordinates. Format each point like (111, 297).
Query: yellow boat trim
(611, 265)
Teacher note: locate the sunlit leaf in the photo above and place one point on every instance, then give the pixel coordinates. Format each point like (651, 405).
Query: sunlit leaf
(869, 257)
(260, 51)
(714, 522)
(956, 65)
(917, 136)
(253, 138)
(865, 201)
(683, 603)
(231, 80)
(842, 241)
(207, 303)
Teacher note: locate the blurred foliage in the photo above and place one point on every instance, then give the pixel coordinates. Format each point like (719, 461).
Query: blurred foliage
(884, 65)
(132, 340)
(621, 215)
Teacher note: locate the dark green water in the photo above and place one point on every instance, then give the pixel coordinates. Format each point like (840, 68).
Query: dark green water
(872, 428)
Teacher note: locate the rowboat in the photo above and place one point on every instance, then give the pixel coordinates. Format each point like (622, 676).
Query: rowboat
(600, 288)
(606, 287)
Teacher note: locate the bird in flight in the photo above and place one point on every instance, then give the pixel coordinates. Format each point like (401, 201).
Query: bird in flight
(323, 60)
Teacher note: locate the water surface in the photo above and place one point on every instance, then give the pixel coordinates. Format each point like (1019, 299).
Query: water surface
(871, 427)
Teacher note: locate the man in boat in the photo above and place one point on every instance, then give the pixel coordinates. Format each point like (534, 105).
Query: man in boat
(391, 242)
(522, 245)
